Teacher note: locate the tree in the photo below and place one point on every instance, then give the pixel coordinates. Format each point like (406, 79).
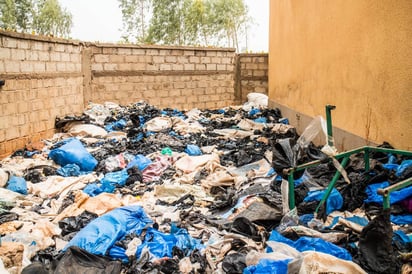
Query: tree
(51, 19)
(40, 16)
(185, 22)
(230, 18)
(167, 22)
(135, 19)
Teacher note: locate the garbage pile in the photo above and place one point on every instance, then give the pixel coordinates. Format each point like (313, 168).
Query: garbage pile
(138, 189)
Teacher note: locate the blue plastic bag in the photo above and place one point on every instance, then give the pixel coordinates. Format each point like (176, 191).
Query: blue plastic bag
(193, 150)
(17, 184)
(261, 120)
(115, 178)
(268, 266)
(73, 152)
(334, 201)
(311, 244)
(403, 166)
(93, 189)
(140, 161)
(402, 219)
(69, 170)
(117, 125)
(355, 219)
(100, 235)
(254, 111)
(161, 244)
(396, 196)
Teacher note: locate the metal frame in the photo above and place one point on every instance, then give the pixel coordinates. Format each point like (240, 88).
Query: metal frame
(345, 156)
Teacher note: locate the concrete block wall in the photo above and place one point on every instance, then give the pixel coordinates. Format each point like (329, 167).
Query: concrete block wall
(47, 78)
(176, 77)
(251, 75)
(43, 79)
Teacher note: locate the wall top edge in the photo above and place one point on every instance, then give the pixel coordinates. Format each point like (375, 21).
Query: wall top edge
(50, 39)
(41, 38)
(253, 54)
(165, 47)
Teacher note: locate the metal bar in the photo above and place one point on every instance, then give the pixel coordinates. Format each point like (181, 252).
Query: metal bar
(329, 109)
(386, 192)
(317, 162)
(366, 159)
(365, 149)
(291, 195)
(331, 185)
(389, 150)
(386, 202)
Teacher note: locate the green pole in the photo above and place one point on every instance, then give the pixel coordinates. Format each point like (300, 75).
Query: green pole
(291, 195)
(366, 159)
(329, 109)
(331, 185)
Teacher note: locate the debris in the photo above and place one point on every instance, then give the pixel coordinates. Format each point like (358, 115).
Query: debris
(137, 189)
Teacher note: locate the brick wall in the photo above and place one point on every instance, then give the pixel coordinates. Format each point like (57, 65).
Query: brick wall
(47, 77)
(43, 79)
(177, 77)
(251, 75)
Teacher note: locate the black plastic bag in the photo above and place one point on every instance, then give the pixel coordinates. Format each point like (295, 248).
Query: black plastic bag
(79, 261)
(375, 246)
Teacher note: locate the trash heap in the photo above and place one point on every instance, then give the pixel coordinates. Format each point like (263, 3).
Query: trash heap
(138, 189)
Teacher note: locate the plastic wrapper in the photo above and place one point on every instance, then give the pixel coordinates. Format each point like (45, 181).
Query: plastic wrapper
(73, 152)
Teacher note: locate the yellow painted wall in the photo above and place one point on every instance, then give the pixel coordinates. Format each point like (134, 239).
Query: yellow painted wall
(355, 54)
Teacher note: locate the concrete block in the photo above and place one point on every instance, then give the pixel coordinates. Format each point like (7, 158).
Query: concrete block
(5, 53)
(61, 66)
(170, 59)
(165, 67)
(116, 58)
(188, 52)
(124, 51)
(177, 67)
(188, 66)
(205, 60)
(109, 66)
(26, 66)
(55, 56)
(211, 66)
(194, 59)
(101, 58)
(9, 42)
(12, 67)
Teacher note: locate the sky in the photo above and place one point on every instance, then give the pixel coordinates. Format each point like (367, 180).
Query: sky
(101, 20)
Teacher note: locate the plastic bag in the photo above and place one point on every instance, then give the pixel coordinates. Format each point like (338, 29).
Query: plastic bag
(316, 244)
(4, 177)
(115, 178)
(140, 161)
(161, 244)
(118, 161)
(73, 152)
(117, 125)
(402, 219)
(193, 150)
(289, 219)
(396, 196)
(285, 155)
(334, 201)
(268, 266)
(99, 236)
(17, 184)
(69, 170)
(76, 260)
(403, 166)
(316, 126)
(258, 99)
